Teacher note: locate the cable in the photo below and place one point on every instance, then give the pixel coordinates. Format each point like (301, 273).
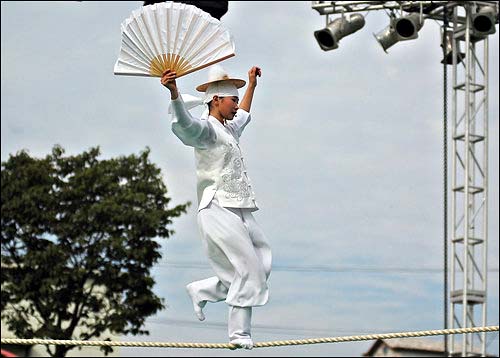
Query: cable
(445, 177)
(275, 329)
(322, 268)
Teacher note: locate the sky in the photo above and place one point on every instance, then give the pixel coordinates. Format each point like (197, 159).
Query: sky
(345, 152)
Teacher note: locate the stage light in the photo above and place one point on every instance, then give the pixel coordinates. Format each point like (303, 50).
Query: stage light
(483, 21)
(329, 37)
(400, 29)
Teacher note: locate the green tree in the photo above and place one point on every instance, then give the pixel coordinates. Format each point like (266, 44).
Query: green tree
(79, 237)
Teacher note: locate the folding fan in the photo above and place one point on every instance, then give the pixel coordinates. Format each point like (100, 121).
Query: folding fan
(171, 35)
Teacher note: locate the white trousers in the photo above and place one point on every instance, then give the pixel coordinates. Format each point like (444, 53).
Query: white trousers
(239, 254)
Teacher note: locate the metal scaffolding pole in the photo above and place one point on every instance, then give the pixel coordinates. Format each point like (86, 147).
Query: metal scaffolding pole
(469, 185)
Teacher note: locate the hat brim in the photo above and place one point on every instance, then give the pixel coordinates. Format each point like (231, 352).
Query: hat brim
(237, 82)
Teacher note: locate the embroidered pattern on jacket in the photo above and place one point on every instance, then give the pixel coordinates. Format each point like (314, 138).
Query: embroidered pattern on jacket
(233, 183)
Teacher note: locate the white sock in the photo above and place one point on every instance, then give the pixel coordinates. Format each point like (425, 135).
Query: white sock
(197, 305)
(246, 343)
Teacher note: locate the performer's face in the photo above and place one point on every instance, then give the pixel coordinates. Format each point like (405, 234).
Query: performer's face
(228, 106)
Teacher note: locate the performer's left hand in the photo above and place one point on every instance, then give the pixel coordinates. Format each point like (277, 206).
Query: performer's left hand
(252, 75)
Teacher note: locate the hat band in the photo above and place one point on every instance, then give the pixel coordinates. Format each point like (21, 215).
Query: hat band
(220, 89)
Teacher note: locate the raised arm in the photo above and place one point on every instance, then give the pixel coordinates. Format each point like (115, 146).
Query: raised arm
(246, 102)
(190, 130)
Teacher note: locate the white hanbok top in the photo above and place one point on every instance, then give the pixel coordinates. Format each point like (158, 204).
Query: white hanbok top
(220, 167)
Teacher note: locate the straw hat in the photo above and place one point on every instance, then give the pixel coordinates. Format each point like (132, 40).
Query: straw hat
(217, 74)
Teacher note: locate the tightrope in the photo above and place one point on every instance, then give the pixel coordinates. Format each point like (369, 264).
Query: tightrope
(293, 342)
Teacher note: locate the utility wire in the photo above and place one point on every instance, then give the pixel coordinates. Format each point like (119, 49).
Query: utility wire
(303, 331)
(321, 268)
(275, 329)
(445, 177)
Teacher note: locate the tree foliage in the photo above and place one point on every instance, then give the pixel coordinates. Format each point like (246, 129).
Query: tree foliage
(79, 237)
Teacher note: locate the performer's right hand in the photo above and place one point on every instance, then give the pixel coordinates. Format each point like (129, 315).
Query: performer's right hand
(168, 80)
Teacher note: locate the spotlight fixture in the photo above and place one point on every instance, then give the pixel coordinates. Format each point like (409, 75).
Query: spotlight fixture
(329, 37)
(400, 29)
(483, 21)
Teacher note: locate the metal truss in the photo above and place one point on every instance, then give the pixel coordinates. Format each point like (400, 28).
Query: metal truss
(468, 291)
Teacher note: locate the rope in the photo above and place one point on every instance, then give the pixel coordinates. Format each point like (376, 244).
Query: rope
(445, 176)
(256, 345)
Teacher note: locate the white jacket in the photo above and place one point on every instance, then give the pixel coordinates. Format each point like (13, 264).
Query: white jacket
(220, 166)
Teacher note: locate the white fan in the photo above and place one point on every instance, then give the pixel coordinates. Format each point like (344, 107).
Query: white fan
(171, 35)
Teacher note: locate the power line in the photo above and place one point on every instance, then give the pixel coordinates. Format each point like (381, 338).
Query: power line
(275, 329)
(324, 268)
(303, 331)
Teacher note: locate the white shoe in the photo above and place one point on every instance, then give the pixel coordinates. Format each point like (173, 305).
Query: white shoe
(246, 343)
(197, 305)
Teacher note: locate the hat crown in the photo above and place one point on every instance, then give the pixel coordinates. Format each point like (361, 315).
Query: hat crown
(217, 73)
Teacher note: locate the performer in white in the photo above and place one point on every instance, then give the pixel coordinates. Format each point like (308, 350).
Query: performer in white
(233, 241)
